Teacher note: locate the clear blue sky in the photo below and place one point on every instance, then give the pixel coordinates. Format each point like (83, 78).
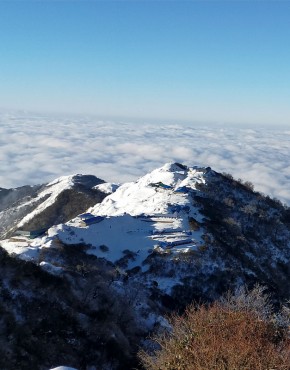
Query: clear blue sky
(221, 61)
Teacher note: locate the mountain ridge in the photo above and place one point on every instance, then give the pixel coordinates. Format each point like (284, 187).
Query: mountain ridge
(117, 267)
(30, 202)
(177, 213)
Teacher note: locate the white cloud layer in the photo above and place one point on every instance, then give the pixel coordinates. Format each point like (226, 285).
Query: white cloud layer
(37, 149)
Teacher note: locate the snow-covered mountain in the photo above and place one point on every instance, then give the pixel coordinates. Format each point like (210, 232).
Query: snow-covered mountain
(39, 207)
(157, 212)
(133, 252)
(205, 222)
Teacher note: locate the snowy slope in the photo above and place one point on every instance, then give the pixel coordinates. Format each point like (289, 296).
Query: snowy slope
(46, 205)
(152, 213)
(175, 235)
(141, 198)
(142, 216)
(174, 225)
(48, 196)
(107, 187)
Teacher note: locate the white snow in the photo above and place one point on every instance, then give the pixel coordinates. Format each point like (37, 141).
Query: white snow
(55, 270)
(167, 283)
(107, 187)
(139, 216)
(49, 195)
(22, 249)
(141, 197)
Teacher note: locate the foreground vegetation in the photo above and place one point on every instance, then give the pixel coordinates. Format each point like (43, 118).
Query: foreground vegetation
(239, 332)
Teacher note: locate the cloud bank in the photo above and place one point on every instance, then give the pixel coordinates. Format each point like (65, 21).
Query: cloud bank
(37, 149)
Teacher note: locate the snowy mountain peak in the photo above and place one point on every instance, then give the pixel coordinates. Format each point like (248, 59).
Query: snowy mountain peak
(155, 193)
(69, 181)
(62, 181)
(157, 212)
(174, 223)
(176, 235)
(172, 167)
(48, 196)
(107, 187)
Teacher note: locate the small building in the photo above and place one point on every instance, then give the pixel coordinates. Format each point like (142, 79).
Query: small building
(167, 244)
(180, 242)
(22, 233)
(92, 220)
(85, 216)
(18, 239)
(37, 233)
(31, 234)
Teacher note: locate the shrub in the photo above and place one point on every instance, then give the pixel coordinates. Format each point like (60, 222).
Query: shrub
(248, 185)
(193, 224)
(104, 248)
(228, 175)
(239, 332)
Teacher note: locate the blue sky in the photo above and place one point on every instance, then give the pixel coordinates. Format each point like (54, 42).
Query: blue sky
(199, 61)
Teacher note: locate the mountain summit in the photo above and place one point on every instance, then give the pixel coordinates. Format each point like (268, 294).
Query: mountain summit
(207, 223)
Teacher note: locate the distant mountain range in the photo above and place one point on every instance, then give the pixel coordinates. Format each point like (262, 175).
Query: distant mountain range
(126, 255)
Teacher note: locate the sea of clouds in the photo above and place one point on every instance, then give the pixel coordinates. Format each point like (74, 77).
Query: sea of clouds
(36, 149)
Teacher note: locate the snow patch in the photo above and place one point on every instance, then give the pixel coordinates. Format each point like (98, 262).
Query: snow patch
(107, 187)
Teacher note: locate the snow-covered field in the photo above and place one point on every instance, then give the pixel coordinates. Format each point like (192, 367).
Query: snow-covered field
(36, 149)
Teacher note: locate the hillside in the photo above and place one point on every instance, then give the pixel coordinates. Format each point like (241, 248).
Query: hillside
(127, 255)
(41, 206)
